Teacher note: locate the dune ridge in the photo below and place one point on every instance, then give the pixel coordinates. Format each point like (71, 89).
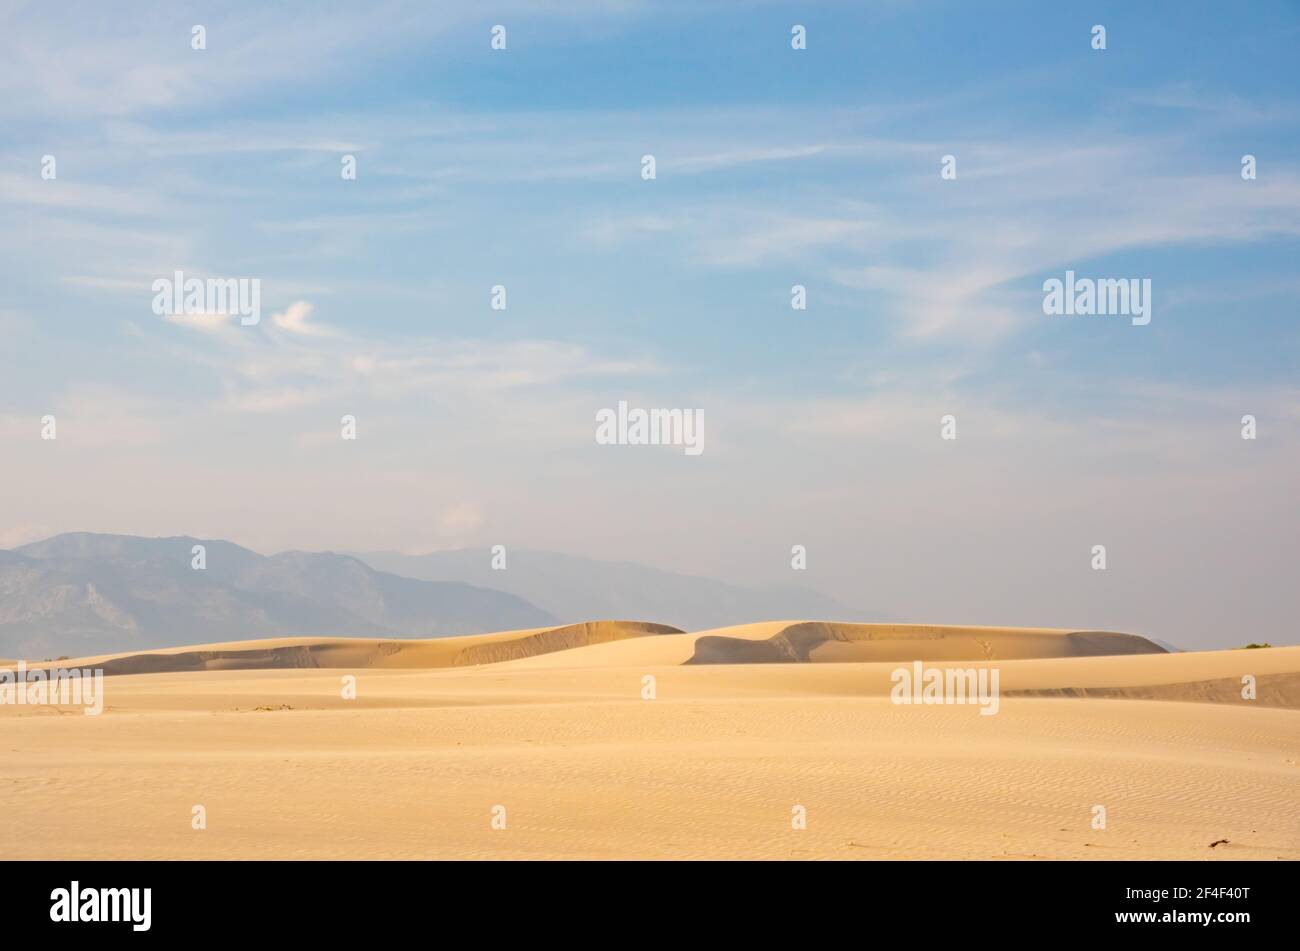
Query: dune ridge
(857, 658)
(367, 653)
(605, 643)
(841, 642)
(831, 642)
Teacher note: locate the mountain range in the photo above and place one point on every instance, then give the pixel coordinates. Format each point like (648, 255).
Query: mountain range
(82, 594)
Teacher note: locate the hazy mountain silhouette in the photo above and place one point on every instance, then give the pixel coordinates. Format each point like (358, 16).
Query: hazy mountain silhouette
(580, 589)
(80, 594)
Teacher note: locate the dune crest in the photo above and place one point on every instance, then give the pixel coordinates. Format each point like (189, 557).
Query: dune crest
(637, 643)
(370, 653)
(558, 639)
(820, 641)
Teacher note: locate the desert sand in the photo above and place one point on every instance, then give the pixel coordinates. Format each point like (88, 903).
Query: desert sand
(748, 727)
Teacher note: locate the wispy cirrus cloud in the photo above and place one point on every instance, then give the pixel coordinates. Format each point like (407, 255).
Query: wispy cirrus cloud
(297, 362)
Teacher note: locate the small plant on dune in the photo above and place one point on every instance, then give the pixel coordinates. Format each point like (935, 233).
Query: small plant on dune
(1253, 646)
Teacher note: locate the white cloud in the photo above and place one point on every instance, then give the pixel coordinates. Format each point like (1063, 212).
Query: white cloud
(297, 363)
(295, 320)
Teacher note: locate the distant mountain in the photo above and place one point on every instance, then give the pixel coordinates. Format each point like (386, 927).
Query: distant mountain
(583, 589)
(81, 594)
(1166, 645)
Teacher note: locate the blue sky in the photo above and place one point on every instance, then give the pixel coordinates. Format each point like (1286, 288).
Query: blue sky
(775, 167)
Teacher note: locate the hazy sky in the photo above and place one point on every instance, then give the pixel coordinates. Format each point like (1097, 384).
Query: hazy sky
(774, 167)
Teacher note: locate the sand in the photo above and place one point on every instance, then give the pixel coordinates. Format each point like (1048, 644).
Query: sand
(552, 726)
(367, 653)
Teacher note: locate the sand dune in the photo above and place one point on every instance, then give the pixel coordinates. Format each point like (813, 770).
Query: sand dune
(838, 643)
(830, 642)
(609, 643)
(711, 768)
(556, 726)
(368, 653)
